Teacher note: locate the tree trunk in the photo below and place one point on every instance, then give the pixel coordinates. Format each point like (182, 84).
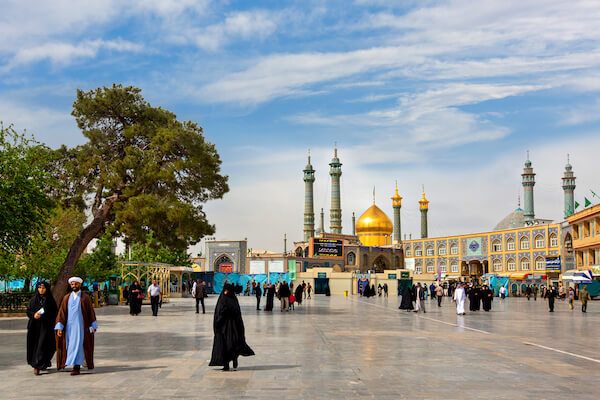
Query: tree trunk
(80, 243)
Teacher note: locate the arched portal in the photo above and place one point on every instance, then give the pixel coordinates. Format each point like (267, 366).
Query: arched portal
(380, 264)
(223, 263)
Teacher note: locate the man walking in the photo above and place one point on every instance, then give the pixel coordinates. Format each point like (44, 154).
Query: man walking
(199, 293)
(551, 295)
(459, 299)
(258, 293)
(584, 296)
(419, 298)
(284, 296)
(155, 294)
(439, 293)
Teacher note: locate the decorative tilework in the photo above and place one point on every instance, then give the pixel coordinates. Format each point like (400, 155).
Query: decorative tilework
(429, 243)
(523, 255)
(451, 259)
(539, 232)
(440, 242)
(494, 237)
(511, 255)
(537, 254)
(553, 252)
(553, 230)
(496, 256)
(523, 233)
(407, 245)
(509, 235)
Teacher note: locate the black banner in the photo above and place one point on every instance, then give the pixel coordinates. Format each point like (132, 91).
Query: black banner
(328, 248)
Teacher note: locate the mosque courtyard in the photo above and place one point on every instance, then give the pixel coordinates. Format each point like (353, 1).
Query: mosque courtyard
(330, 347)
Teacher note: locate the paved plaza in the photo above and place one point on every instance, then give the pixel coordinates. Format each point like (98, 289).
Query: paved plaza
(330, 347)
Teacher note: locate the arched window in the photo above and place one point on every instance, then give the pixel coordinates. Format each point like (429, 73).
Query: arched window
(511, 265)
(540, 263)
(497, 265)
(351, 258)
(454, 267)
(442, 250)
(418, 251)
(430, 268)
(524, 243)
(510, 244)
(553, 240)
(497, 245)
(443, 267)
(454, 249)
(408, 252)
(299, 252)
(525, 264)
(418, 268)
(429, 251)
(539, 242)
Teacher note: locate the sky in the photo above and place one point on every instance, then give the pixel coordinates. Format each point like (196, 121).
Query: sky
(449, 95)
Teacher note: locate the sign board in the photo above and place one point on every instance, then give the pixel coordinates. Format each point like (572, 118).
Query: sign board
(328, 248)
(553, 263)
(321, 275)
(257, 267)
(292, 269)
(392, 276)
(404, 275)
(276, 266)
(595, 270)
(226, 267)
(409, 263)
(474, 247)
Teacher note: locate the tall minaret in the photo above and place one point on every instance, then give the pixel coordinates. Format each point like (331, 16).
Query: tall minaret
(528, 184)
(353, 224)
(309, 211)
(424, 206)
(568, 184)
(321, 229)
(397, 204)
(335, 214)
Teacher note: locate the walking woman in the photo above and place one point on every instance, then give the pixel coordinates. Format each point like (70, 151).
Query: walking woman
(42, 311)
(136, 295)
(230, 341)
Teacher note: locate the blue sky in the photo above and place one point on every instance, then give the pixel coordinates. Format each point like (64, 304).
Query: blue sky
(445, 94)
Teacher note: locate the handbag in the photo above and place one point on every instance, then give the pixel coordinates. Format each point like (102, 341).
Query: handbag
(141, 296)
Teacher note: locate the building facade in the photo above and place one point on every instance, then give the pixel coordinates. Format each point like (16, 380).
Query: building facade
(586, 238)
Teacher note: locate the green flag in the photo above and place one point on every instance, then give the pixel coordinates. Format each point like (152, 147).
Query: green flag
(587, 202)
(576, 204)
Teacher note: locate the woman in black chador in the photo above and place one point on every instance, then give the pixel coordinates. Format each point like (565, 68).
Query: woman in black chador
(42, 311)
(270, 296)
(407, 299)
(487, 295)
(230, 341)
(135, 303)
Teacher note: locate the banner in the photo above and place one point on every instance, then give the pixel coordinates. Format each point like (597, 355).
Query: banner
(409, 263)
(276, 266)
(292, 269)
(257, 267)
(474, 247)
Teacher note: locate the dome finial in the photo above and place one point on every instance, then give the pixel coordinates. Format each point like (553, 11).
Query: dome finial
(518, 201)
(309, 156)
(373, 194)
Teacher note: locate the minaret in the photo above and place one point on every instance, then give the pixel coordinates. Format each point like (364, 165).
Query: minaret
(397, 204)
(424, 206)
(353, 224)
(528, 184)
(321, 229)
(568, 184)
(335, 214)
(284, 244)
(309, 211)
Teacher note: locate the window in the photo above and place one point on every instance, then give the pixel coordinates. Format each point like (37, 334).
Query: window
(511, 265)
(553, 240)
(497, 265)
(510, 244)
(408, 252)
(351, 258)
(418, 252)
(454, 267)
(418, 269)
(454, 249)
(539, 242)
(443, 267)
(524, 242)
(429, 251)
(496, 245)
(540, 263)
(525, 264)
(430, 268)
(576, 231)
(442, 250)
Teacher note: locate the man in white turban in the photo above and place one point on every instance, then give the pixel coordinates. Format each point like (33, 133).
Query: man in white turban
(75, 328)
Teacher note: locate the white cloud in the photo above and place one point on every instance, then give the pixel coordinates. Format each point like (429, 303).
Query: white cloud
(580, 114)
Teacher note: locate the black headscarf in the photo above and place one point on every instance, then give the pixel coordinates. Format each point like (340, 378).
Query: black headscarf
(40, 332)
(45, 301)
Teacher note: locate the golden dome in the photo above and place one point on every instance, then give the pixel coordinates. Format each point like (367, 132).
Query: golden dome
(374, 221)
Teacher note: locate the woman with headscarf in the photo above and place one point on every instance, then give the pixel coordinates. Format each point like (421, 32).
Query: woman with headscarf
(298, 294)
(407, 299)
(135, 302)
(230, 341)
(270, 290)
(41, 345)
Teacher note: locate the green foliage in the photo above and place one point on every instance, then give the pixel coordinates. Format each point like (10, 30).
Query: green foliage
(24, 183)
(100, 264)
(151, 251)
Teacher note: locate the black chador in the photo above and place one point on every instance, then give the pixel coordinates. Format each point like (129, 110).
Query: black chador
(487, 295)
(230, 341)
(270, 295)
(41, 344)
(474, 299)
(407, 300)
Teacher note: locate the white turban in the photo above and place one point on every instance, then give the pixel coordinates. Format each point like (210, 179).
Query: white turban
(75, 279)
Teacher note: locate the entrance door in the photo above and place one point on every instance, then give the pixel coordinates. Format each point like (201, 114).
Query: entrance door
(321, 285)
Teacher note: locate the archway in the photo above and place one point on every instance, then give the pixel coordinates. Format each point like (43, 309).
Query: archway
(223, 263)
(299, 252)
(380, 264)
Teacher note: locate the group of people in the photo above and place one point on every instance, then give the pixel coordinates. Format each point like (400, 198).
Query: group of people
(135, 296)
(417, 294)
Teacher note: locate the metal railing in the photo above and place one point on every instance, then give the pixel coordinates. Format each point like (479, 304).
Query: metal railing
(15, 301)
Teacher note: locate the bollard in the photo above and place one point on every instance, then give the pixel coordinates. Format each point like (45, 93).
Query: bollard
(96, 299)
(345, 293)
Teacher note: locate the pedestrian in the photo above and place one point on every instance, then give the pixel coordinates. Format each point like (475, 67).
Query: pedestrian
(528, 292)
(230, 340)
(379, 289)
(432, 290)
(136, 296)
(571, 298)
(298, 294)
(487, 296)
(75, 328)
(502, 292)
(284, 296)
(551, 295)
(439, 293)
(535, 292)
(424, 291)
(41, 344)
(155, 294)
(584, 296)
(459, 298)
(304, 289)
(419, 298)
(385, 290)
(407, 300)
(199, 294)
(308, 290)
(270, 293)
(258, 294)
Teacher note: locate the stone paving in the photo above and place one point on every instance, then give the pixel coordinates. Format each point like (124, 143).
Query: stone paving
(330, 347)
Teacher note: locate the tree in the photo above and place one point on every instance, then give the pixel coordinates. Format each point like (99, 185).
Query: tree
(151, 251)
(101, 263)
(24, 181)
(142, 170)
